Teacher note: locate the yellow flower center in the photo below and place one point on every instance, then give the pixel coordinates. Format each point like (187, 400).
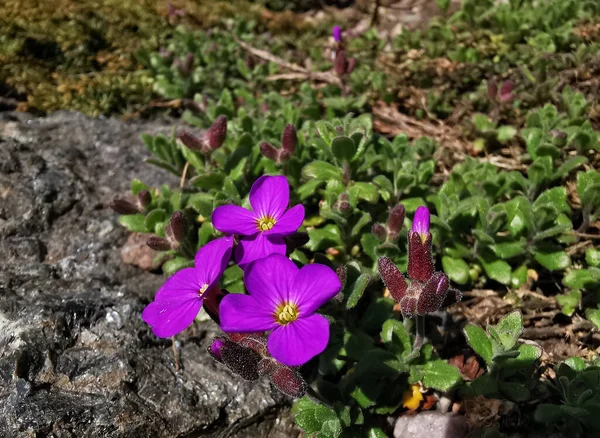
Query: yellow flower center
(412, 397)
(202, 289)
(265, 223)
(286, 313)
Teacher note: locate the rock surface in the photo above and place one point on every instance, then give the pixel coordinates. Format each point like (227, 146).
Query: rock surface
(76, 360)
(430, 424)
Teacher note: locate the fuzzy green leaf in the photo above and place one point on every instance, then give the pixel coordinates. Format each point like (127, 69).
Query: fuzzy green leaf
(310, 415)
(479, 342)
(358, 288)
(343, 148)
(456, 269)
(440, 375)
(569, 301)
(134, 222)
(321, 170)
(395, 337)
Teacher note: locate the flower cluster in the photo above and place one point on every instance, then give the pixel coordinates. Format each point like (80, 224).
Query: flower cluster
(273, 327)
(428, 291)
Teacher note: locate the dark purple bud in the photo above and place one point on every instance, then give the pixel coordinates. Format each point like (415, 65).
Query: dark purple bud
(122, 206)
(289, 382)
(176, 229)
(395, 222)
(492, 90)
(256, 342)
(433, 294)
(420, 259)
(351, 64)
(337, 34)
(211, 302)
(185, 66)
(144, 198)
(191, 141)
(267, 366)
(158, 243)
(408, 306)
(342, 273)
(392, 278)
(164, 53)
(241, 360)
(215, 349)
(339, 63)
(269, 151)
(379, 231)
(174, 12)
(289, 139)
(453, 296)
(506, 94)
(342, 204)
(217, 133)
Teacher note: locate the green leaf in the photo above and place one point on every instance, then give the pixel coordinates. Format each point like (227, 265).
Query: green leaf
(569, 165)
(323, 238)
(540, 170)
(364, 401)
(322, 170)
(594, 316)
(193, 158)
(588, 188)
(377, 312)
(519, 276)
(575, 363)
(547, 414)
(376, 432)
(527, 355)
(569, 301)
(343, 148)
(176, 264)
(137, 186)
(207, 181)
(505, 133)
(509, 329)
(497, 269)
(309, 188)
(507, 250)
(552, 257)
(555, 198)
(395, 337)
(310, 415)
(456, 269)
(358, 288)
(155, 216)
(592, 257)
(134, 222)
(202, 203)
(479, 342)
(365, 219)
(516, 392)
(578, 279)
(363, 191)
(438, 374)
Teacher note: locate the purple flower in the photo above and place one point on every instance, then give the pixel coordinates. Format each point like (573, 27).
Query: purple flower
(420, 259)
(263, 227)
(179, 300)
(337, 34)
(283, 298)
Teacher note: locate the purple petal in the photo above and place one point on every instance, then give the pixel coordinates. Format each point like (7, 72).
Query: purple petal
(243, 314)
(182, 283)
(233, 219)
(172, 316)
(337, 34)
(270, 196)
(270, 280)
(258, 247)
(298, 342)
(313, 286)
(421, 221)
(289, 222)
(212, 259)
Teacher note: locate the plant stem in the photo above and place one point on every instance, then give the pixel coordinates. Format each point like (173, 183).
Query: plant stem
(420, 338)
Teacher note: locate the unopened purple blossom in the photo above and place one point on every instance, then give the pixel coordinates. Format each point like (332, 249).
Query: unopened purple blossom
(506, 94)
(337, 34)
(420, 260)
(179, 300)
(264, 226)
(283, 298)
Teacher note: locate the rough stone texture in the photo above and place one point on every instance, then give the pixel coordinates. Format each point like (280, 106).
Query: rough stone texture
(430, 425)
(76, 360)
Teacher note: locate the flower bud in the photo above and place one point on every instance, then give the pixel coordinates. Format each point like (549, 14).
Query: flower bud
(379, 231)
(212, 299)
(506, 94)
(289, 382)
(185, 66)
(122, 206)
(158, 243)
(342, 273)
(395, 222)
(191, 141)
(267, 366)
(337, 34)
(433, 294)
(342, 204)
(289, 139)
(256, 342)
(241, 360)
(350, 65)
(392, 278)
(421, 222)
(420, 258)
(144, 199)
(269, 151)
(217, 133)
(176, 229)
(214, 349)
(340, 62)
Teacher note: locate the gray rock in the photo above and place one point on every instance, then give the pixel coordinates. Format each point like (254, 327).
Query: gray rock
(430, 425)
(76, 360)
